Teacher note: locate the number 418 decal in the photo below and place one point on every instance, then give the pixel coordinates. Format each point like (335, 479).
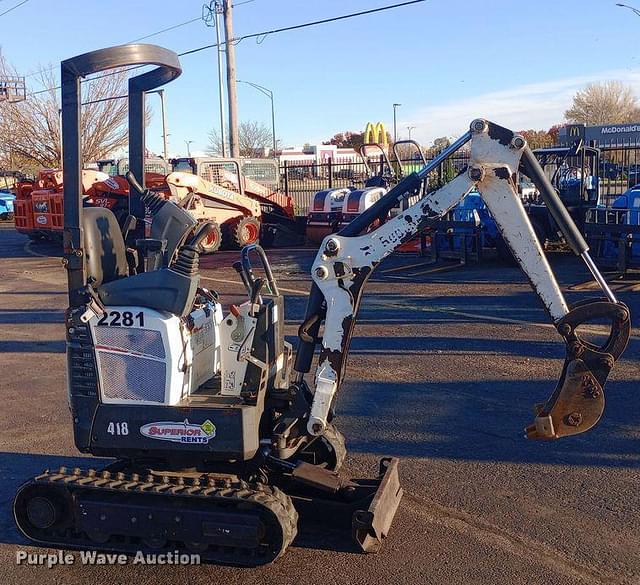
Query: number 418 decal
(122, 319)
(118, 428)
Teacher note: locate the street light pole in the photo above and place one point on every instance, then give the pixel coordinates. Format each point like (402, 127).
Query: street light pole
(269, 94)
(409, 128)
(165, 145)
(395, 127)
(634, 10)
(188, 143)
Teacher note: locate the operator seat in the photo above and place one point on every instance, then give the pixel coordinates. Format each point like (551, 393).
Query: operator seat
(167, 289)
(104, 247)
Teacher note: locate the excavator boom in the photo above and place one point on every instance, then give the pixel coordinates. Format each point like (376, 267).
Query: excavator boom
(346, 260)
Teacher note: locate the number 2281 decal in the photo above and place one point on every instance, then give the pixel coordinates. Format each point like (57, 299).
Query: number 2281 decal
(122, 319)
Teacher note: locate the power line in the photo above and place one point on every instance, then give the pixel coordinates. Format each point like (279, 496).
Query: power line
(175, 26)
(260, 35)
(166, 29)
(264, 34)
(14, 7)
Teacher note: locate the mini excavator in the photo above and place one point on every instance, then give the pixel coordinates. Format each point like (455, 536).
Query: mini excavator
(221, 443)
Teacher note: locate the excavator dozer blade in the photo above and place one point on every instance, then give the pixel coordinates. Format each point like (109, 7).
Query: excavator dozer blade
(366, 508)
(371, 526)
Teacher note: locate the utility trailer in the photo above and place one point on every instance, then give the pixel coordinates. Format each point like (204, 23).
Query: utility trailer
(614, 232)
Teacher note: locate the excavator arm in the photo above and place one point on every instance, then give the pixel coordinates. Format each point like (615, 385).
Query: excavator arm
(346, 260)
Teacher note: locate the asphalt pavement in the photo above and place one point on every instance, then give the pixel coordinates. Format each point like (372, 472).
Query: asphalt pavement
(444, 370)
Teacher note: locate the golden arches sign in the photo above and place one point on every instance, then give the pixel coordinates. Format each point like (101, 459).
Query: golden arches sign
(376, 134)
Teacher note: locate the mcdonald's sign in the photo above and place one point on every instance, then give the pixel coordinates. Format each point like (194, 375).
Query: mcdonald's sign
(376, 134)
(575, 131)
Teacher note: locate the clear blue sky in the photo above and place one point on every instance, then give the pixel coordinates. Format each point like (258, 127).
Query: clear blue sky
(445, 61)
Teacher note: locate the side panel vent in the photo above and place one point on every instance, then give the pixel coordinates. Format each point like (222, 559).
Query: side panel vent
(131, 364)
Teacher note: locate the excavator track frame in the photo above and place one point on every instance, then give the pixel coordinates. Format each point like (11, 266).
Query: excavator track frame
(225, 520)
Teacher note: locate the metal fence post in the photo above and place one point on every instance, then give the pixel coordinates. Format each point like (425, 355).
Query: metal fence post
(330, 167)
(286, 179)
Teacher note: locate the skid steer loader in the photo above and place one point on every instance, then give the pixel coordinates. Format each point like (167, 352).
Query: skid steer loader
(221, 443)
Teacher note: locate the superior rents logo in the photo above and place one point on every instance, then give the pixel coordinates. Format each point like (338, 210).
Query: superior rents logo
(92, 557)
(619, 129)
(180, 432)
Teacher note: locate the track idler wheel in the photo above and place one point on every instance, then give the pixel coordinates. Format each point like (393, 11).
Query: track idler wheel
(577, 403)
(41, 512)
(37, 509)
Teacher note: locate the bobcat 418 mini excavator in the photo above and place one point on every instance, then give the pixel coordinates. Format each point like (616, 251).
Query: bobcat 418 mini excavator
(220, 442)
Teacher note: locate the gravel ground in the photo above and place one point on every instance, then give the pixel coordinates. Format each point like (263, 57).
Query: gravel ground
(443, 373)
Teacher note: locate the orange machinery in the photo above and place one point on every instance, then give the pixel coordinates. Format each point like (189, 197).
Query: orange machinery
(39, 211)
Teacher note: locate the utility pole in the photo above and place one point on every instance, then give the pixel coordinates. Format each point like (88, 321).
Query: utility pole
(232, 94)
(188, 143)
(223, 131)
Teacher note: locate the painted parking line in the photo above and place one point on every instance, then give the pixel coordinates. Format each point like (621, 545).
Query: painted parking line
(447, 310)
(453, 311)
(28, 250)
(405, 267)
(289, 290)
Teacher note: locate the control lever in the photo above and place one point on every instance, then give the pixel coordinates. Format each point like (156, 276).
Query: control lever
(237, 266)
(151, 200)
(255, 297)
(130, 224)
(133, 182)
(188, 256)
(246, 264)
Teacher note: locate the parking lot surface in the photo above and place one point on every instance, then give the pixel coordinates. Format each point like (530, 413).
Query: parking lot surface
(444, 370)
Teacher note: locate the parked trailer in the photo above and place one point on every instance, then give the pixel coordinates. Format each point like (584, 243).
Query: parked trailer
(331, 209)
(334, 208)
(613, 233)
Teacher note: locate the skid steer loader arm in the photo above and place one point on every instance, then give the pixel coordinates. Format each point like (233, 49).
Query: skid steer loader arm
(346, 260)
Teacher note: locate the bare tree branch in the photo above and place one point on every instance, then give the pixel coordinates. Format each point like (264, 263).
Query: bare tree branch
(30, 130)
(254, 138)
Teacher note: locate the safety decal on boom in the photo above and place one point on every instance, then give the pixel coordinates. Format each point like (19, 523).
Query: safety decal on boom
(180, 432)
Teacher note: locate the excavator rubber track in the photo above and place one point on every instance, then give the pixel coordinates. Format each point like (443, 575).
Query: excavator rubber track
(223, 519)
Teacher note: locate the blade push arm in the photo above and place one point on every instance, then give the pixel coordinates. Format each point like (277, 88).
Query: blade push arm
(346, 260)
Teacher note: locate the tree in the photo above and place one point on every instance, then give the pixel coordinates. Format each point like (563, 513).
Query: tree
(610, 102)
(30, 130)
(554, 131)
(441, 143)
(346, 139)
(539, 138)
(254, 137)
